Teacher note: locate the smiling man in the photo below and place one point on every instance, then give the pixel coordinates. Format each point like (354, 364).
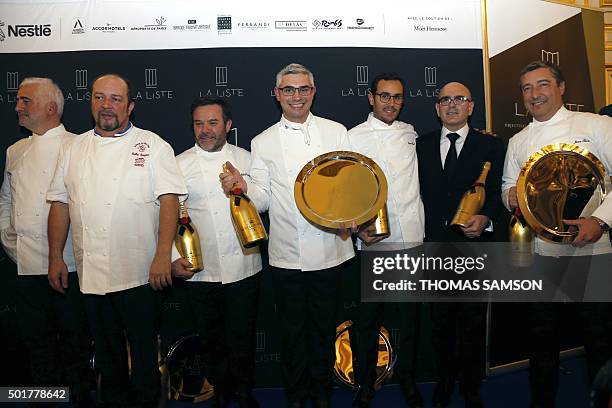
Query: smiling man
(450, 161)
(223, 297)
(117, 186)
(543, 87)
(306, 261)
(391, 143)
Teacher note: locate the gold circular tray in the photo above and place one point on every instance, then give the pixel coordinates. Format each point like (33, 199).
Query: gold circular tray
(559, 181)
(343, 366)
(338, 188)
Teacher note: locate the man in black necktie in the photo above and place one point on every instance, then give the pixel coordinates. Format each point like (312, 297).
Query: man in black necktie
(450, 161)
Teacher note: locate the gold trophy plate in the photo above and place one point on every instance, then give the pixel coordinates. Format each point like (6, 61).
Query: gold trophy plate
(559, 181)
(339, 188)
(343, 366)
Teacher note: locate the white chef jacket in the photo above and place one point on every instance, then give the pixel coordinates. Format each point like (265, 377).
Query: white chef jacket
(224, 258)
(278, 154)
(24, 209)
(111, 185)
(393, 148)
(587, 130)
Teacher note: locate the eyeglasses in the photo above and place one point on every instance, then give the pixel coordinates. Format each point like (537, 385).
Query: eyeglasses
(291, 90)
(386, 97)
(457, 100)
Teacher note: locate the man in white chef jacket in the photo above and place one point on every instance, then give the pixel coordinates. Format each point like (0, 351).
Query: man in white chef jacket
(117, 186)
(223, 298)
(391, 143)
(53, 326)
(543, 87)
(305, 261)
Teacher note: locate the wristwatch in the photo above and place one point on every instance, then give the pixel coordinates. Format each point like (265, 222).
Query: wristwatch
(604, 227)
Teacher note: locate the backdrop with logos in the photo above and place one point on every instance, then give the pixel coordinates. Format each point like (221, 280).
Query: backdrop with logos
(174, 51)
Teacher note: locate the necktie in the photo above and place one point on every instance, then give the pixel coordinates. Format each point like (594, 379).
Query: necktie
(451, 157)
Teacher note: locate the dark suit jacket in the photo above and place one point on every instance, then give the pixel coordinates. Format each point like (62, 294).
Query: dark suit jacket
(441, 198)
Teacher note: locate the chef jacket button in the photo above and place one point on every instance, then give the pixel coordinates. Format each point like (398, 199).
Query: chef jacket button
(108, 203)
(18, 212)
(36, 236)
(88, 253)
(44, 171)
(86, 228)
(21, 234)
(318, 234)
(104, 253)
(41, 192)
(104, 229)
(38, 214)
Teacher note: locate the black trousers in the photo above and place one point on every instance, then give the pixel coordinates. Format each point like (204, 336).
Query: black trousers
(546, 324)
(118, 319)
(56, 335)
(364, 340)
(225, 317)
(306, 305)
(458, 339)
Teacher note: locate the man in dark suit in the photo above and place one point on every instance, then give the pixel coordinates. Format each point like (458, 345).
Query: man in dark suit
(450, 161)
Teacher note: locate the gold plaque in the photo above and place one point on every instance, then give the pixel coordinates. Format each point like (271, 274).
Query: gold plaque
(338, 188)
(183, 371)
(559, 181)
(343, 367)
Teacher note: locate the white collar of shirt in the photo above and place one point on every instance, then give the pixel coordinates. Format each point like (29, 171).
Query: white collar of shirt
(118, 134)
(561, 114)
(445, 142)
(287, 125)
(53, 132)
(378, 124)
(211, 155)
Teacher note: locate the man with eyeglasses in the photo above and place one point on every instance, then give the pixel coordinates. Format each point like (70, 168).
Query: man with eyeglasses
(305, 261)
(391, 143)
(450, 161)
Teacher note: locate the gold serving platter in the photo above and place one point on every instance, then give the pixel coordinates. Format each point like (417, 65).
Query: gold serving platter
(343, 366)
(559, 181)
(339, 188)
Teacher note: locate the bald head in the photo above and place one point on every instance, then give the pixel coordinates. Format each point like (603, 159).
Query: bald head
(454, 105)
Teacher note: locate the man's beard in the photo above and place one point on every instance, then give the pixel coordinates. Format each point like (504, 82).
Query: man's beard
(108, 126)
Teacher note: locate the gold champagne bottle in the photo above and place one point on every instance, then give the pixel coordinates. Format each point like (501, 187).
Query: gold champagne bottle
(187, 240)
(473, 199)
(246, 219)
(521, 240)
(381, 223)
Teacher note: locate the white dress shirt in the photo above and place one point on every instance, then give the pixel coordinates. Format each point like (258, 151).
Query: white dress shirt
(278, 154)
(445, 141)
(587, 130)
(224, 258)
(393, 148)
(111, 185)
(23, 205)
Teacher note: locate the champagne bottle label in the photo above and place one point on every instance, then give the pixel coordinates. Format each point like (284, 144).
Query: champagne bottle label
(187, 240)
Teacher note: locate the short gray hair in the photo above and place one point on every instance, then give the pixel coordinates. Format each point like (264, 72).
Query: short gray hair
(50, 89)
(294, 68)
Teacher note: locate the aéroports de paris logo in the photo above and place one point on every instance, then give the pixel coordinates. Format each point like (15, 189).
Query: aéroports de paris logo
(2, 35)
